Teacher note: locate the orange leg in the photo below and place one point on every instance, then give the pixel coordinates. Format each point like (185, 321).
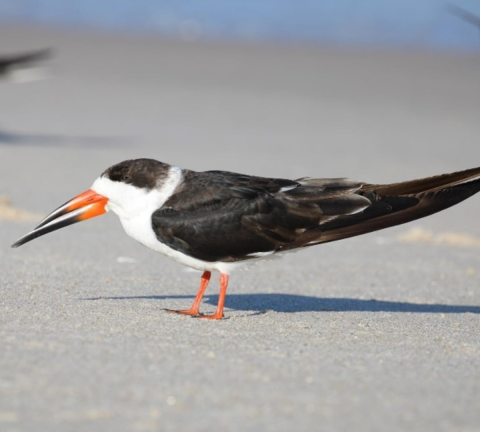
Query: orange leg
(195, 309)
(221, 299)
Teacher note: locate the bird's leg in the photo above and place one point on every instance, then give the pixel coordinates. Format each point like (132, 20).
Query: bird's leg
(195, 309)
(221, 299)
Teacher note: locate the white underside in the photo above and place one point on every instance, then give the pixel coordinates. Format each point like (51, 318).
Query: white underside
(140, 229)
(148, 238)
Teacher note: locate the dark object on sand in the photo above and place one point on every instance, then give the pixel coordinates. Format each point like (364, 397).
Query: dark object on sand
(15, 64)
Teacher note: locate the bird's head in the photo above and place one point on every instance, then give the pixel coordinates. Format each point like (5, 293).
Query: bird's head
(127, 188)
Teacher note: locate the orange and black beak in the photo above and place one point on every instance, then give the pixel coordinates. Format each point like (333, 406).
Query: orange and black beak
(84, 206)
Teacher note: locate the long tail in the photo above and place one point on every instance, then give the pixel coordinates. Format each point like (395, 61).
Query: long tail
(399, 203)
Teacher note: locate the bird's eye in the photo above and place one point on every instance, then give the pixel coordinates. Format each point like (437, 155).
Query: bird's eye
(126, 178)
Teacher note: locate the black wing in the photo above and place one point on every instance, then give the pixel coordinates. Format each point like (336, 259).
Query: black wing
(399, 203)
(223, 216)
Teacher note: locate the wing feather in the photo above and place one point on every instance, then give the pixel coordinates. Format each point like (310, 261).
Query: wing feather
(222, 216)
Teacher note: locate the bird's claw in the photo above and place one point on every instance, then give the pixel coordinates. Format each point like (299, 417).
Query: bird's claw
(214, 316)
(189, 312)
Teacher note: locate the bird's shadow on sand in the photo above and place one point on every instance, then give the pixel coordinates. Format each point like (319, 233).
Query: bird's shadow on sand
(290, 303)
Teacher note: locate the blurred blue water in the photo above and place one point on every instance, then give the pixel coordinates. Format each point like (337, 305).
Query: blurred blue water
(401, 23)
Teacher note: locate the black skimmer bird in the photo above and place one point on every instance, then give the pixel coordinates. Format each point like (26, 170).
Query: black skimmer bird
(23, 67)
(218, 220)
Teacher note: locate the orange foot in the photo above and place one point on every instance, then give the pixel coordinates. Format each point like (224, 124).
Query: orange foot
(191, 312)
(215, 316)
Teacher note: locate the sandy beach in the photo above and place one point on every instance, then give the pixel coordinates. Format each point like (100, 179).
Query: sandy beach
(379, 332)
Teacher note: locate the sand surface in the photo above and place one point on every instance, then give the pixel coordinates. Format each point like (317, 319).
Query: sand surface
(381, 332)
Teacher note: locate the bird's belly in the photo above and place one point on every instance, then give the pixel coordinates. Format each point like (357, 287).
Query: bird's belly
(141, 230)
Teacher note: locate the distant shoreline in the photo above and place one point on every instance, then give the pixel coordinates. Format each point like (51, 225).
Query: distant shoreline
(402, 25)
